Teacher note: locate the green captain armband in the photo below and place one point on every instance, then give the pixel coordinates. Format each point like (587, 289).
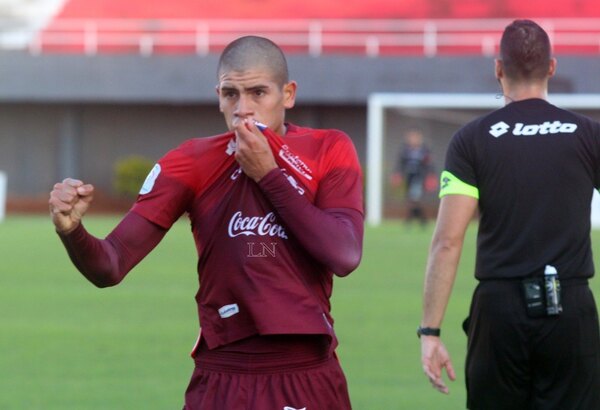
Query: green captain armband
(450, 184)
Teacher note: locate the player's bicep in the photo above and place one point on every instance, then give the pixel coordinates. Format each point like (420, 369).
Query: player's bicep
(133, 238)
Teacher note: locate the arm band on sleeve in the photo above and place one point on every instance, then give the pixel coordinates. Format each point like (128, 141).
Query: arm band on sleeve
(105, 262)
(451, 185)
(331, 236)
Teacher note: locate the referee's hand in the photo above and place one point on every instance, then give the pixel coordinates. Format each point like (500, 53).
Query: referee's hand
(69, 201)
(435, 357)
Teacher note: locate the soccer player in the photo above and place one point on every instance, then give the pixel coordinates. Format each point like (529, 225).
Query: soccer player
(530, 168)
(276, 209)
(413, 165)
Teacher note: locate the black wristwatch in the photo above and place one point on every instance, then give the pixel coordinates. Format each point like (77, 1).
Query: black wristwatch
(428, 331)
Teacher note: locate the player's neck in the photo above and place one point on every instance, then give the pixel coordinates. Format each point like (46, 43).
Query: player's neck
(281, 131)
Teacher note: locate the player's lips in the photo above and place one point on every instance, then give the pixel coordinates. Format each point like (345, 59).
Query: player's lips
(261, 126)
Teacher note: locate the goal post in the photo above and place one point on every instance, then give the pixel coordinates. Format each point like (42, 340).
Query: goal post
(379, 104)
(2, 195)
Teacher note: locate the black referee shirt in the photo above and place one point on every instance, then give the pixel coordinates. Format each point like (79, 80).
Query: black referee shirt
(533, 167)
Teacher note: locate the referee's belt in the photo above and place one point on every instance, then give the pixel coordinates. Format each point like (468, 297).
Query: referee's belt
(564, 282)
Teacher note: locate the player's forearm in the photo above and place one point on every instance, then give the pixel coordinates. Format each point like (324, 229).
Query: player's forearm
(105, 262)
(93, 257)
(333, 237)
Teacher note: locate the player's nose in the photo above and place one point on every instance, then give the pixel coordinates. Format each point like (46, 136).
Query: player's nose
(244, 107)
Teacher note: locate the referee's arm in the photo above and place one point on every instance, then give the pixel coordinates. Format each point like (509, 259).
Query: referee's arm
(454, 215)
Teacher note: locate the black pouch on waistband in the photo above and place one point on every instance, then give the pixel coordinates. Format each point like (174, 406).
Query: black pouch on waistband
(533, 290)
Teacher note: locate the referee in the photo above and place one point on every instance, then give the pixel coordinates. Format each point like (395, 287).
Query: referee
(530, 168)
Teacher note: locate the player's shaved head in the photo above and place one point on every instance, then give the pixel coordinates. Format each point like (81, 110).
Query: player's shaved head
(253, 52)
(525, 51)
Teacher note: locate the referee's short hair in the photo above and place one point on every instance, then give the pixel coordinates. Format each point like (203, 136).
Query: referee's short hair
(251, 52)
(525, 51)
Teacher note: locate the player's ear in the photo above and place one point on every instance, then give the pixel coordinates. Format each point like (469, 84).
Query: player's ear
(289, 94)
(218, 91)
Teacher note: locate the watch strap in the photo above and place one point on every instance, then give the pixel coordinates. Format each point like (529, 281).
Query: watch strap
(428, 331)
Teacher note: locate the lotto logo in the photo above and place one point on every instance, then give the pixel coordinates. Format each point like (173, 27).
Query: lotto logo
(499, 128)
(520, 129)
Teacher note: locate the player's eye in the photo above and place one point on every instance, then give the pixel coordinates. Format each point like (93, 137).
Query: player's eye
(229, 94)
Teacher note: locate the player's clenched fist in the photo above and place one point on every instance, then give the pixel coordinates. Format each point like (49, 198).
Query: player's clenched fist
(69, 201)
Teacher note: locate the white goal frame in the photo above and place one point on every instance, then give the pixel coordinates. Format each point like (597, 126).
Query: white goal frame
(379, 102)
(2, 195)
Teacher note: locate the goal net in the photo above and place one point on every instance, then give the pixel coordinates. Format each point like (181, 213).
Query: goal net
(438, 117)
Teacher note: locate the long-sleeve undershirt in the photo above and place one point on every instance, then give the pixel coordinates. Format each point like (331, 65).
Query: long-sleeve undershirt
(331, 236)
(105, 262)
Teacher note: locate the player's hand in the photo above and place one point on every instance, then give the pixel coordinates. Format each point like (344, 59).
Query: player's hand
(69, 201)
(434, 358)
(253, 152)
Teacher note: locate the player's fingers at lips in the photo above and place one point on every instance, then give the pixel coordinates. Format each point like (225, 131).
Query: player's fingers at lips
(247, 137)
(236, 121)
(250, 124)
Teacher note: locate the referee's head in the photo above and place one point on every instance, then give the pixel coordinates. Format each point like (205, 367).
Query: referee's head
(525, 52)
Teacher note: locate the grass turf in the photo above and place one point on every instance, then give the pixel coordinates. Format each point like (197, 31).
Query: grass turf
(67, 345)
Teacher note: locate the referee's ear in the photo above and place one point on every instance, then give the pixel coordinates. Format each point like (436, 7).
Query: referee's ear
(552, 67)
(499, 71)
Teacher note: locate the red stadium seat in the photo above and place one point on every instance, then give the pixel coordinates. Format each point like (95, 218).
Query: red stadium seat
(373, 27)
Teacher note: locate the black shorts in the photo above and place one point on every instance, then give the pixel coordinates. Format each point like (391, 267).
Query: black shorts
(516, 362)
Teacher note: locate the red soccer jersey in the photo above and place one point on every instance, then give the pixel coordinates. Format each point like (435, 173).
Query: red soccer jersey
(254, 276)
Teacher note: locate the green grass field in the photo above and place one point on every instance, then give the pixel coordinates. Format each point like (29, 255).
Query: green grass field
(66, 345)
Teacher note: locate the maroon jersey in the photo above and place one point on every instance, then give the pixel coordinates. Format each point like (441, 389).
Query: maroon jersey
(254, 276)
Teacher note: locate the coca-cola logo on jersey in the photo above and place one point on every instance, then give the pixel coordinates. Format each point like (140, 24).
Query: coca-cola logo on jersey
(255, 226)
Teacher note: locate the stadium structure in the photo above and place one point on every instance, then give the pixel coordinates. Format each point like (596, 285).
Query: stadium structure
(84, 83)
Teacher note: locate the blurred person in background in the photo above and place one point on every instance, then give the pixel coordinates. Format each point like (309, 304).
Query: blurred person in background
(530, 168)
(414, 170)
(276, 210)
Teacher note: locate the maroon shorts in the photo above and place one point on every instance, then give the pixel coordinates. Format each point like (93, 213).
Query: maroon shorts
(284, 377)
